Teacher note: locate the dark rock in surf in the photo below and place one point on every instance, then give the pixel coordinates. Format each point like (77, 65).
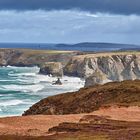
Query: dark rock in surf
(58, 82)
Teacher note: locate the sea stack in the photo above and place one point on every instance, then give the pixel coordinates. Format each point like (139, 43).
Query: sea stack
(52, 68)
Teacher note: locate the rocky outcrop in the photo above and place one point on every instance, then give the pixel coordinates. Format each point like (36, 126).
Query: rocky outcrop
(6, 56)
(102, 68)
(57, 82)
(29, 57)
(52, 68)
(97, 68)
(98, 128)
(86, 100)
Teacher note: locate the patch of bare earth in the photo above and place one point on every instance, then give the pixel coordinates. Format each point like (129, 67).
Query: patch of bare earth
(33, 125)
(131, 113)
(39, 125)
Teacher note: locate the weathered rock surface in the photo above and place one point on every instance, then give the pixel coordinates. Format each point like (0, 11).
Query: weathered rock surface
(107, 123)
(89, 99)
(102, 68)
(57, 82)
(96, 68)
(53, 68)
(29, 57)
(99, 128)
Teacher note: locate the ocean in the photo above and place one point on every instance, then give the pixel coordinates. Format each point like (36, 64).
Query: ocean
(21, 87)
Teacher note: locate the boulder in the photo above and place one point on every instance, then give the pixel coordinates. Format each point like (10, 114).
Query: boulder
(52, 68)
(57, 82)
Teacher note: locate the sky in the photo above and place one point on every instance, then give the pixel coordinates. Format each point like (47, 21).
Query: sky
(70, 21)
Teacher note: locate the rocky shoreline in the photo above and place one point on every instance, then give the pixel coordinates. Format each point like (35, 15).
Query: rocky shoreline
(98, 111)
(95, 68)
(117, 116)
(105, 67)
(89, 99)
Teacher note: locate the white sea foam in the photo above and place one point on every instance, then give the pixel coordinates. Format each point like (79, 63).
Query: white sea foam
(22, 68)
(22, 74)
(22, 88)
(9, 66)
(28, 80)
(69, 84)
(3, 80)
(31, 84)
(11, 102)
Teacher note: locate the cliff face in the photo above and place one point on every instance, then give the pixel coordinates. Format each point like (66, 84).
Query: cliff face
(96, 68)
(53, 68)
(102, 68)
(28, 57)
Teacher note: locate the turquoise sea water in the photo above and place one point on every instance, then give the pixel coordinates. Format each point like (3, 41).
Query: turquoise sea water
(20, 87)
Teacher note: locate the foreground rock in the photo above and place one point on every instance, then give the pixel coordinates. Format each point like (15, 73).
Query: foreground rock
(33, 125)
(114, 114)
(52, 68)
(89, 99)
(92, 127)
(113, 122)
(104, 67)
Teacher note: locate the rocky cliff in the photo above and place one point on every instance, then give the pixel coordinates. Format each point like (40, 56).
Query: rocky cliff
(101, 68)
(29, 57)
(86, 100)
(96, 68)
(53, 68)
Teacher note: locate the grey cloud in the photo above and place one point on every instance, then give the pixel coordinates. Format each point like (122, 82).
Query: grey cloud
(108, 6)
(68, 27)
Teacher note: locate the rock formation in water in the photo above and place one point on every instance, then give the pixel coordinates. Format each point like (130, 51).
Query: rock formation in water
(102, 68)
(52, 68)
(57, 82)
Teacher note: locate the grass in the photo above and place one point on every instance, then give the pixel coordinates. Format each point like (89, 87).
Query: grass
(32, 51)
(105, 54)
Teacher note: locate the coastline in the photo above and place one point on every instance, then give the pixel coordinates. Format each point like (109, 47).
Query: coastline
(50, 126)
(21, 87)
(69, 70)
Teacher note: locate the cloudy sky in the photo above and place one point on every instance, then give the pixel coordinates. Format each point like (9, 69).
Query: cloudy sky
(70, 21)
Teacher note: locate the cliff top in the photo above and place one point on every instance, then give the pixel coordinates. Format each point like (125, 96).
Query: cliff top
(34, 51)
(30, 57)
(106, 54)
(86, 100)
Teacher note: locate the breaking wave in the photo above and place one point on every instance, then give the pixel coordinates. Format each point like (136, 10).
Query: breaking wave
(10, 103)
(20, 87)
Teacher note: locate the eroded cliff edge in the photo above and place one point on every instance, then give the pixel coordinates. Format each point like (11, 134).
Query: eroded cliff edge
(29, 57)
(105, 67)
(90, 99)
(95, 68)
